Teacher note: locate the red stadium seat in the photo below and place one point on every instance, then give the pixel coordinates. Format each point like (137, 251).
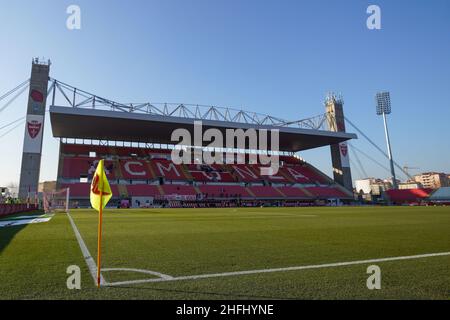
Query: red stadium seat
(296, 173)
(293, 192)
(265, 192)
(209, 173)
(143, 190)
(304, 174)
(326, 192)
(167, 169)
(178, 189)
(408, 195)
(246, 173)
(135, 169)
(313, 175)
(85, 166)
(139, 164)
(83, 190)
(279, 177)
(224, 191)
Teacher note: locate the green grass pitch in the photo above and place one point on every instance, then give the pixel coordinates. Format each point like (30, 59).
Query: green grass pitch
(185, 242)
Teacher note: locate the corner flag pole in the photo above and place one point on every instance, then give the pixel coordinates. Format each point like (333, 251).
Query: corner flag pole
(99, 244)
(100, 188)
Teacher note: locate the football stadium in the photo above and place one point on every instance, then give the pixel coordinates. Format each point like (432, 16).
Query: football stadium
(207, 231)
(300, 197)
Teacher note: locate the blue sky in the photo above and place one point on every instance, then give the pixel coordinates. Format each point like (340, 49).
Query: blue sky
(274, 57)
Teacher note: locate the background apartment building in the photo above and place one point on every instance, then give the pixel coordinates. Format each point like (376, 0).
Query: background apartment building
(433, 180)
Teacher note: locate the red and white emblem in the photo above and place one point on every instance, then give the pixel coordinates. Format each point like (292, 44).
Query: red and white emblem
(94, 186)
(37, 96)
(344, 149)
(34, 127)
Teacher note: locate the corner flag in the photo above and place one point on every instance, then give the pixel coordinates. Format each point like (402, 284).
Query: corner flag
(100, 195)
(100, 189)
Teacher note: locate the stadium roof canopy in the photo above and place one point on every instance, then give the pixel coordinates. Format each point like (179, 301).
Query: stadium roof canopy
(82, 123)
(441, 194)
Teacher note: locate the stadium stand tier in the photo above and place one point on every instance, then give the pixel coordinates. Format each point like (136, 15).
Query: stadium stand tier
(223, 191)
(143, 190)
(441, 195)
(82, 190)
(407, 196)
(139, 172)
(326, 192)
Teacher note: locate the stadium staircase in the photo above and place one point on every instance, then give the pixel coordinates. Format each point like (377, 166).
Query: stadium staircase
(286, 176)
(320, 177)
(344, 190)
(123, 191)
(197, 190)
(250, 192)
(233, 173)
(280, 192)
(161, 191)
(186, 172)
(118, 170)
(309, 194)
(150, 167)
(254, 170)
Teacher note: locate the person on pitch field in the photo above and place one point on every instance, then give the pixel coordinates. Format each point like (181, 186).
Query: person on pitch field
(100, 195)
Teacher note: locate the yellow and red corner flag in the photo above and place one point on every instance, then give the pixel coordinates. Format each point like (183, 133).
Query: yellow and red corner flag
(100, 189)
(100, 195)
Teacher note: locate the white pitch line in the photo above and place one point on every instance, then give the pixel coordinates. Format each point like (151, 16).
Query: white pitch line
(317, 266)
(87, 256)
(154, 273)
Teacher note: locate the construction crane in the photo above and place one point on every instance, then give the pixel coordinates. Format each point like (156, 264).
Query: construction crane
(406, 169)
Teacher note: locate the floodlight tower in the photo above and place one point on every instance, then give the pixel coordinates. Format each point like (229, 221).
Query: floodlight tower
(334, 105)
(34, 128)
(383, 101)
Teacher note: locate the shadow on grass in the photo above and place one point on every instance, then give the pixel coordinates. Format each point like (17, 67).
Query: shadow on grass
(218, 294)
(7, 234)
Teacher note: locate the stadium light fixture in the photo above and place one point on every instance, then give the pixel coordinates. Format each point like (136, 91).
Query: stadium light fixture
(383, 102)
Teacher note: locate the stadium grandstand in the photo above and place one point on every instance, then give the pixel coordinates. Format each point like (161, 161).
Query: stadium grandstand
(144, 177)
(440, 196)
(135, 140)
(408, 196)
(142, 173)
